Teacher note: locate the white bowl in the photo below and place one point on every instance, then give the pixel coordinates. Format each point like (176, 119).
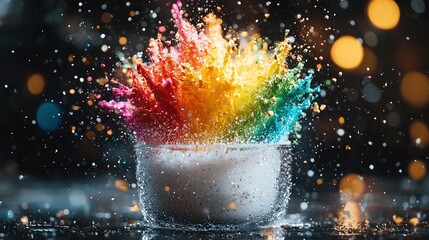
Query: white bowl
(203, 187)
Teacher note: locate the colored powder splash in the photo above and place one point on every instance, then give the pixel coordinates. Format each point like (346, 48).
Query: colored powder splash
(206, 90)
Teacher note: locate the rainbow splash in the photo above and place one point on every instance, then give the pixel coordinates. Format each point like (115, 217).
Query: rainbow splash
(206, 90)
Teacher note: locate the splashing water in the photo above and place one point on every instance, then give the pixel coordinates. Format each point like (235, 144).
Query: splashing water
(213, 187)
(206, 90)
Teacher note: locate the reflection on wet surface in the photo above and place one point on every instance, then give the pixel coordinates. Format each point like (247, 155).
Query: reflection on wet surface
(108, 209)
(306, 231)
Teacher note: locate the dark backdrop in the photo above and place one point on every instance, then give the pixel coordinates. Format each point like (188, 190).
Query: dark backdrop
(63, 42)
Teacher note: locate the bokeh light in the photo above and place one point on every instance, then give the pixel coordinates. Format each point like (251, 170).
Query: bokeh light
(24, 220)
(418, 6)
(397, 219)
(99, 127)
(393, 119)
(384, 14)
(417, 170)
(415, 89)
(78, 198)
(4, 8)
(49, 117)
(353, 183)
(371, 38)
(122, 40)
(90, 135)
(414, 221)
(347, 52)
(36, 84)
(106, 17)
(371, 93)
(419, 133)
(121, 185)
(341, 120)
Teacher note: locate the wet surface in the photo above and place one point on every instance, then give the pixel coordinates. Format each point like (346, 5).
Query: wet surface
(105, 209)
(381, 232)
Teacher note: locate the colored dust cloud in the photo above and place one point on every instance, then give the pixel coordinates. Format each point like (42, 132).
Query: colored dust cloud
(206, 89)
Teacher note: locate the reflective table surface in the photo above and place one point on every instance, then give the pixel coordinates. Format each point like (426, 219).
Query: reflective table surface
(108, 208)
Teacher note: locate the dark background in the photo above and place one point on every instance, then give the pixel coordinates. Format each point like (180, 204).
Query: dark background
(61, 40)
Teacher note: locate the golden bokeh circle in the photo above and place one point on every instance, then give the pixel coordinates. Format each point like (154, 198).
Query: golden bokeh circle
(347, 52)
(384, 14)
(417, 170)
(36, 84)
(123, 40)
(415, 89)
(353, 183)
(419, 133)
